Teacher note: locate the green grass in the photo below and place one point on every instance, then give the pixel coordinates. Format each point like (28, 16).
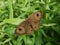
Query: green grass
(13, 12)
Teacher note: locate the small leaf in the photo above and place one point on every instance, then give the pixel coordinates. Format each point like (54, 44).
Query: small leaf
(38, 38)
(48, 43)
(7, 40)
(57, 29)
(14, 21)
(29, 41)
(52, 24)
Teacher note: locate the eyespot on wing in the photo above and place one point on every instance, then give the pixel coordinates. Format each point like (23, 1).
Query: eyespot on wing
(35, 16)
(20, 29)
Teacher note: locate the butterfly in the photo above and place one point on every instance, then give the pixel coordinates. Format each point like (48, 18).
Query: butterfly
(30, 25)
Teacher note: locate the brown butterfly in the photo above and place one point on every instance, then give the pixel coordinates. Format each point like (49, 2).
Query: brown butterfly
(30, 24)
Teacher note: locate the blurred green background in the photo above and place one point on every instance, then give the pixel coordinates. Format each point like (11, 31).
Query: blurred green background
(13, 12)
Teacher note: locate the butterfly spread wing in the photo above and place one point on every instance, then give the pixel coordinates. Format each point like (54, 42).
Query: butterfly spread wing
(30, 24)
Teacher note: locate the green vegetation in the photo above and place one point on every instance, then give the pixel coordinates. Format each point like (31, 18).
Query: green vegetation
(13, 12)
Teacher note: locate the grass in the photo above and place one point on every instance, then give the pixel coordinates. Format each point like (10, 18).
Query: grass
(13, 12)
